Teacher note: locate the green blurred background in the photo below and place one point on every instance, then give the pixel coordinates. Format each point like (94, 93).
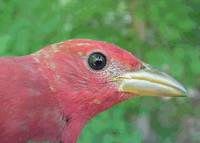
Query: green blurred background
(164, 33)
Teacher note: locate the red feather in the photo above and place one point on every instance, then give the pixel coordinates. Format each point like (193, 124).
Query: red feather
(50, 95)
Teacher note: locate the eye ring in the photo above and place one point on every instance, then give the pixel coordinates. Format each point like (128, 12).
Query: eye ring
(97, 61)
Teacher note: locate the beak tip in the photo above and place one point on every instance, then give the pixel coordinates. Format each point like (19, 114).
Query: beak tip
(183, 91)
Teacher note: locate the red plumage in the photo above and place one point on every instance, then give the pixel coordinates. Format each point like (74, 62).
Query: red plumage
(50, 95)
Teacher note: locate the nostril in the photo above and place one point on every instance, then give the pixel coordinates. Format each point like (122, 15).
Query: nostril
(142, 67)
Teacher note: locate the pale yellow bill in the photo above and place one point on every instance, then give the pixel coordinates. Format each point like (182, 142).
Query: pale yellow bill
(150, 82)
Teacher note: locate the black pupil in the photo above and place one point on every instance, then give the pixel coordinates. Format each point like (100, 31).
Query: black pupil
(97, 61)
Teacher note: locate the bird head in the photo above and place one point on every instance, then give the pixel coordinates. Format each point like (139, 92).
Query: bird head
(88, 76)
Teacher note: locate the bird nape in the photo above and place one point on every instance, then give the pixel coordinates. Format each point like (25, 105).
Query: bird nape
(49, 96)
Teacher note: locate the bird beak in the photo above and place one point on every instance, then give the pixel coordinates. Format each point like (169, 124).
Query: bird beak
(149, 82)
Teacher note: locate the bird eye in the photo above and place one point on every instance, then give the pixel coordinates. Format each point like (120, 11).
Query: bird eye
(97, 61)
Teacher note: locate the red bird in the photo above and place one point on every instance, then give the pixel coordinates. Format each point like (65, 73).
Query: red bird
(49, 96)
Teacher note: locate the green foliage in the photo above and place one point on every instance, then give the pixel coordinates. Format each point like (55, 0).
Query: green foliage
(164, 33)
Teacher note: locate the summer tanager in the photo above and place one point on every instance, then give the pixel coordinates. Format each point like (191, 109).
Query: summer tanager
(50, 95)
